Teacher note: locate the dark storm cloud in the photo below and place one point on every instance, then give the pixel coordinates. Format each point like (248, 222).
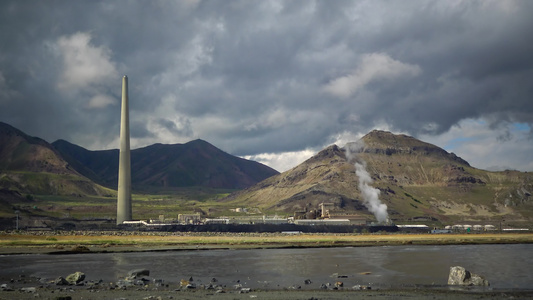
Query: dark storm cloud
(267, 76)
(180, 127)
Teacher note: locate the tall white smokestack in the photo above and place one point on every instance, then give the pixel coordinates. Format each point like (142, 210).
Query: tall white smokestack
(124, 166)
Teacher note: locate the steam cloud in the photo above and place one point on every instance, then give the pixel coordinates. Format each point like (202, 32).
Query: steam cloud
(370, 195)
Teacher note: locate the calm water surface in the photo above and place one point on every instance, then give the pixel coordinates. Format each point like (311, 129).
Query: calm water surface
(505, 266)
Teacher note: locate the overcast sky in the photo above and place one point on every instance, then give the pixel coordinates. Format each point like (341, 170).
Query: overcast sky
(274, 81)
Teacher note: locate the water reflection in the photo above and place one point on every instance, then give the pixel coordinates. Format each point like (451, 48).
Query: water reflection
(505, 266)
(425, 265)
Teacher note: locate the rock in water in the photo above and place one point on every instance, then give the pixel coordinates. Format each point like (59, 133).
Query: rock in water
(461, 276)
(75, 278)
(457, 275)
(139, 273)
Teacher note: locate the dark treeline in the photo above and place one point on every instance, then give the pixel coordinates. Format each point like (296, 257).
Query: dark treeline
(266, 228)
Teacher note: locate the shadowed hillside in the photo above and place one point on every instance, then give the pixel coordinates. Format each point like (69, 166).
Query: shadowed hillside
(196, 163)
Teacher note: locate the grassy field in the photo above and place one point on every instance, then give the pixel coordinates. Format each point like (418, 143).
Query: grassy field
(139, 241)
(145, 206)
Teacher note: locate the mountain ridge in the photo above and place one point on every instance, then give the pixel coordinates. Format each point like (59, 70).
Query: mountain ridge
(64, 168)
(195, 163)
(415, 179)
(385, 142)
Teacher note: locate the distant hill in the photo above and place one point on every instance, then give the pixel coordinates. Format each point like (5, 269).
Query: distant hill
(95, 165)
(65, 183)
(416, 181)
(196, 163)
(30, 165)
(20, 152)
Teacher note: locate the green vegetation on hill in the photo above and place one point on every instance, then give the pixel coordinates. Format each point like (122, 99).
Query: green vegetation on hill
(51, 184)
(44, 210)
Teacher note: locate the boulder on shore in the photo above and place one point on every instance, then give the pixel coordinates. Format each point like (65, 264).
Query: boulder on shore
(60, 281)
(461, 276)
(75, 278)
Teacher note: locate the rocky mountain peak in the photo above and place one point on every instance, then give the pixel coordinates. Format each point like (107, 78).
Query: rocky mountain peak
(332, 152)
(387, 143)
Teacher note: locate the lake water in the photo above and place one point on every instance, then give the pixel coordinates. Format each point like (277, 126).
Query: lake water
(505, 266)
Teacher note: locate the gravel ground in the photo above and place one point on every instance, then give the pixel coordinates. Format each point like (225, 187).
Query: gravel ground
(47, 293)
(33, 288)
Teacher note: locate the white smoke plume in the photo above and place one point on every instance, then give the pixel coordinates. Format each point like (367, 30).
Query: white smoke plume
(370, 194)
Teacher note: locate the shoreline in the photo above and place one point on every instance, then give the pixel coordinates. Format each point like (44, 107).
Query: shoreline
(33, 288)
(57, 243)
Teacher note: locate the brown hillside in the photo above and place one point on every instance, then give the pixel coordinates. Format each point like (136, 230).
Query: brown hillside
(29, 165)
(416, 180)
(20, 152)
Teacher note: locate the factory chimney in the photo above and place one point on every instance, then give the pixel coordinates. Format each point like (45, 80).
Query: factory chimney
(124, 167)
